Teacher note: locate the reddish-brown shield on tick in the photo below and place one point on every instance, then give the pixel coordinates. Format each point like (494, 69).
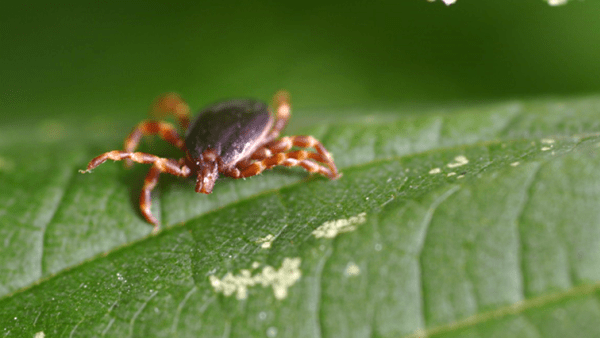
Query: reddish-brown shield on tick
(237, 138)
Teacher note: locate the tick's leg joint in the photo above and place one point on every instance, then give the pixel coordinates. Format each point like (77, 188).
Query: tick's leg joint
(171, 104)
(150, 183)
(281, 103)
(165, 130)
(164, 105)
(296, 158)
(277, 153)
(283, 145)
(159, 165)
(283, 109)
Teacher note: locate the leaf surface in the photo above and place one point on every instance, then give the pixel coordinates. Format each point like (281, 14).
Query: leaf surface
(466, 222)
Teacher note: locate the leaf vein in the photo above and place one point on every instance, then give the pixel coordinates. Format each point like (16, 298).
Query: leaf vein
(227, 329)
(75, 328)
(509, 310)
(527, 190)
(425, 228)
(180, 307)
(139, 311)
(110, 323)
(318, 294)
(70, 182)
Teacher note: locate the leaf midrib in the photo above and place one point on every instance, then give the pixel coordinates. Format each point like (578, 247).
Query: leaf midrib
(271, 191)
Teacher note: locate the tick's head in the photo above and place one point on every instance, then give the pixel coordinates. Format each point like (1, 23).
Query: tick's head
(207, 168)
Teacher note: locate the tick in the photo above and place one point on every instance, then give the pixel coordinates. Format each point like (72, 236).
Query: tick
(236, 138)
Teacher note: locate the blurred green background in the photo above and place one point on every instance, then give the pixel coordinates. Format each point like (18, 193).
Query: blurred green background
(65, 60)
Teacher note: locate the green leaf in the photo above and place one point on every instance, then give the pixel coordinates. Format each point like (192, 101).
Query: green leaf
(465, 222)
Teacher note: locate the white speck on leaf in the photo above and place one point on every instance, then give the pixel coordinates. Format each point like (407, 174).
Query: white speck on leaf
(333, 228)
(40, 334)
(458, 161)
(352, 270)
(514, 164)
(547, 141)
(435, 171)
(266, 241)
(271, 332)
(280, 280)
(546, 148)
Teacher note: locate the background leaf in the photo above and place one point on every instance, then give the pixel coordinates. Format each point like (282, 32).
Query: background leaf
(72, 60)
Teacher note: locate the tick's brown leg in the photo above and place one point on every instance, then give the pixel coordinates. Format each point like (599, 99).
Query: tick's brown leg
(150, 183)
(283, 109)
(145, 199)
(163, 106)
(160, 165)
(165, 165)
(171, 104)
(165, 130)
(295, 158)
(286, 143)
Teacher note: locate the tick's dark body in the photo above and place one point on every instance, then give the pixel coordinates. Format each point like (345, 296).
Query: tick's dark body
(232, 128)
(236, 138)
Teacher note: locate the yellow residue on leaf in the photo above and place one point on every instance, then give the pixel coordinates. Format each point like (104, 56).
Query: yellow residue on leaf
(266, 241)
(547, 141)
(352, 270)
(280, 280)
(333, 228)
(458, 161)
